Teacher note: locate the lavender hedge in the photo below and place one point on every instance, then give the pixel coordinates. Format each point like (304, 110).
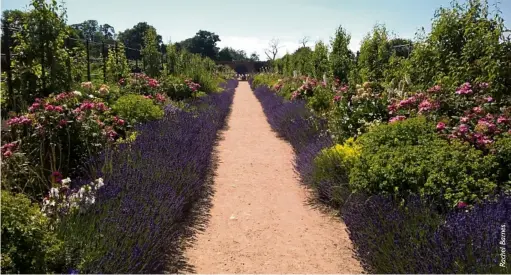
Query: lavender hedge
(391, 238)
(295, 123)
(150, 187)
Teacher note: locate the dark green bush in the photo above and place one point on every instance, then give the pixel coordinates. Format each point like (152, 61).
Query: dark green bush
(502, 149)
(136, 108)
(28, 245)
(405, 158)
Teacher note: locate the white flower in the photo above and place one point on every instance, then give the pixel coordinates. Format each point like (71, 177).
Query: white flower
(66, 180)
(77, 93)
(90, 200)
(100, 183)
(52, 203)
(81, 192)
(54, 192)
(91, 96)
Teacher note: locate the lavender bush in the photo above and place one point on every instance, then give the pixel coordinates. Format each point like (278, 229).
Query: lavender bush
(150, 186)
(306, 133)
(389, 238)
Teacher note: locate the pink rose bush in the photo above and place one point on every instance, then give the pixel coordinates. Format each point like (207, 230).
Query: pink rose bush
(140, 83)
(468, 114)
(57, 134)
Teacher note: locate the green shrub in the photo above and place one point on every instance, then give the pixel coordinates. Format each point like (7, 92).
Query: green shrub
(321, 101)
(28, 246)
(407, 157)
(265, 79)
(356, 110)
(137, 108)
(330, 176)
(502, 151)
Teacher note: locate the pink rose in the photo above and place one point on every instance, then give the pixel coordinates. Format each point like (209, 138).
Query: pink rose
(440, 126)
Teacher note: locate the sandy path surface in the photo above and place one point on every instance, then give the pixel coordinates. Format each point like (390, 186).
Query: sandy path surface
(260, 220)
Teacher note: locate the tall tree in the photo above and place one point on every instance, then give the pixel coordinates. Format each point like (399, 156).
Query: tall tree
(151, 54)
(107, 31)
(341, 58)
(374, 54)
(134, 38)
(320, 59)
(230, 54)
(203, 43)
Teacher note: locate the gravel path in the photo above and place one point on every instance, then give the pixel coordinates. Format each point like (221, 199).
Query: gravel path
(260, 219)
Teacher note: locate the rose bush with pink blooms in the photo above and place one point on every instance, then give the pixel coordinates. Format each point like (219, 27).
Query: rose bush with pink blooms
(469, 114)
(180, 87)
(355, 109)
(139, 83)
(58, 133)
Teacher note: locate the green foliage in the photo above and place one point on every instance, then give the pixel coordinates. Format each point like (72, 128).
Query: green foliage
(320, 59)
(151, 54)
(134, 38)
(341, 58)
(502, 149)
(230, 54)
(465, 45)
(117, 64)
(407, 157)
(203, 43)
(321, 100)
(332, 167)
(374, 54)
(41, 63)
(357, 110)
(136, 108)
(265, 79)
(28, 244)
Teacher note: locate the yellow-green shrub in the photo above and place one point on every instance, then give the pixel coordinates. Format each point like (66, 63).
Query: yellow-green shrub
(331, 171)
(136, 108)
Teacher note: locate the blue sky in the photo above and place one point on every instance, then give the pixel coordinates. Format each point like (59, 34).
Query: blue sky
(250, 25)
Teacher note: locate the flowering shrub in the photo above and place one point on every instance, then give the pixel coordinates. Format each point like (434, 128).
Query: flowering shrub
(417, 239)
(355, 111)
(105, 92)
(407, 157)
(180, 88)
(139, 83)
(469, 114)
(62, 200)
(57, 134)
